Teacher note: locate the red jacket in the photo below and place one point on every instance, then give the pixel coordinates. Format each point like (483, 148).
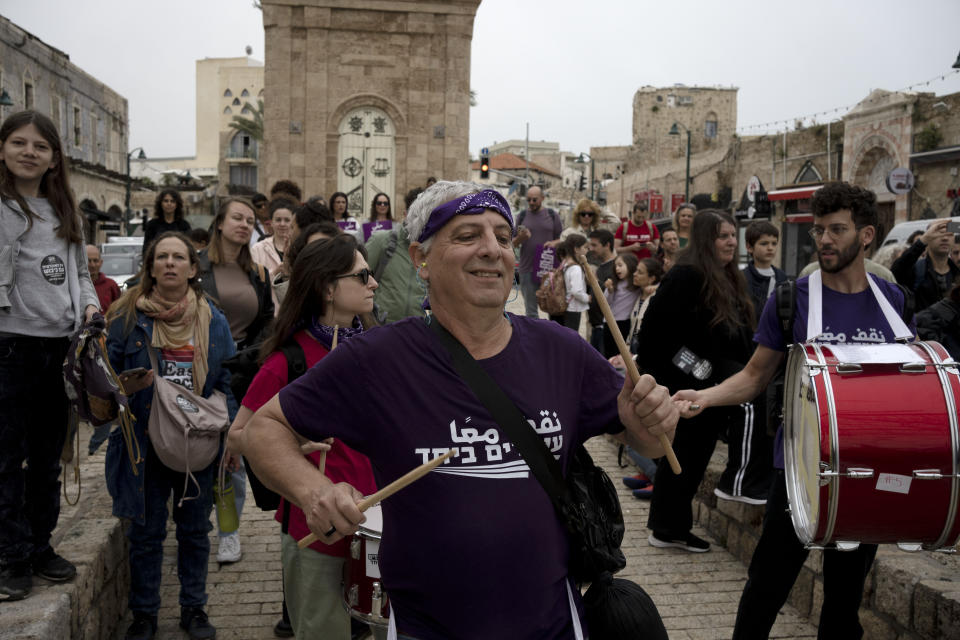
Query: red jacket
(107, 291)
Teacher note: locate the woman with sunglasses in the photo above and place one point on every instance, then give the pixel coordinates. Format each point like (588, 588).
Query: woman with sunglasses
(586, 218)
(330, 288)
(380, 208)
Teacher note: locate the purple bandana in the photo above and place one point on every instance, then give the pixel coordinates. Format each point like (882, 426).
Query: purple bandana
(470, 204)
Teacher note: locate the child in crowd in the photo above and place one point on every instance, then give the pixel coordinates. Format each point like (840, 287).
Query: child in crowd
(621, 294)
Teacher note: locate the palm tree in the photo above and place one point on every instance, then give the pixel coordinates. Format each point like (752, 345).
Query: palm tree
(253, 127)
(473, 98)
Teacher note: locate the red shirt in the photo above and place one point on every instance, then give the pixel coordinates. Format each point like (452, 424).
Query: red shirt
(343, 463)
(107, 291)
(642, 234)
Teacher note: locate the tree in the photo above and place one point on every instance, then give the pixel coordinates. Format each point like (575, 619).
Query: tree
(253, 127)
(473, 98)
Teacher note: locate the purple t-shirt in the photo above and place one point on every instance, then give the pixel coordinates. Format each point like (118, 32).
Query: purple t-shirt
(846, 317)
(474, 549)
(544, 226)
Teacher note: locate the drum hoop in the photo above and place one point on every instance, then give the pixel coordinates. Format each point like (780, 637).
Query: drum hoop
(834, 482)
(954, 442)
(803, 523)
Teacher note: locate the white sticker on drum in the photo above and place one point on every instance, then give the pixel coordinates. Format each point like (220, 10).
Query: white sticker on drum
(893, 482)
(874, 354)
(372, 559)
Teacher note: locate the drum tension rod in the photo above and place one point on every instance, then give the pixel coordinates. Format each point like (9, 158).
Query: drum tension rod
(849, 367)
(851, 472)
(932, 474)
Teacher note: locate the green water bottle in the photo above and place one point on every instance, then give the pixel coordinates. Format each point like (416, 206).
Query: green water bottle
(227, 520)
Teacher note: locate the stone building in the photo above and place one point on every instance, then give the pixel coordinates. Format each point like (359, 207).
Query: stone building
(91, 118)
(710, 113)
(366, 96)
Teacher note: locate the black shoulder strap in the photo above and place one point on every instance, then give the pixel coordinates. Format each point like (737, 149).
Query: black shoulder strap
(296, 360)
(388, 252)
(523, 214)
(542, 464)
(786, 293)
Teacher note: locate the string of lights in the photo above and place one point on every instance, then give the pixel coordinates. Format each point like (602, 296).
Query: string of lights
(780, 125)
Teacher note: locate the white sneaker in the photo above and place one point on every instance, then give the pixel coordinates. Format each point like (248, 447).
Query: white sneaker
(229, 548)
(723, 495)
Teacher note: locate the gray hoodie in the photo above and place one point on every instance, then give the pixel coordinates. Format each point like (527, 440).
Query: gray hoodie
(44, 282)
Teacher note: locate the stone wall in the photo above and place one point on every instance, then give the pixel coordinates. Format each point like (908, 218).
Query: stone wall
(936, 175)
(326, 58)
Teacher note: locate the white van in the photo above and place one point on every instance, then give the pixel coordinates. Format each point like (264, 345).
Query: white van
(902, 231)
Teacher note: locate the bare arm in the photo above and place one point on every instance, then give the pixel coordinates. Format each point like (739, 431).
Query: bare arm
(742, 386)
(273, 449)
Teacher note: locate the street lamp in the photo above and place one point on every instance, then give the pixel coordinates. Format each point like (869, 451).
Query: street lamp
(675, 131)
(580, 160)
(126, 213)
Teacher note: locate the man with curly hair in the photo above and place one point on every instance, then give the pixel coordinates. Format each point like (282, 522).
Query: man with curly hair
(844, 224)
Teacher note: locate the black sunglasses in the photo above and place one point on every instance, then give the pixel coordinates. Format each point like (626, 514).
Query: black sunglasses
(363, 274)
(383, 202)
(586, 213)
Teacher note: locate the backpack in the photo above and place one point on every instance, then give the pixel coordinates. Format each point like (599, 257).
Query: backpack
(267, 499)
(552, 294)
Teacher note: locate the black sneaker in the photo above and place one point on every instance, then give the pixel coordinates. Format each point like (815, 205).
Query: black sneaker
(283, 629)
(144, 627)
(53, 567)
(687, 542)
(194, 621)
(15, 581)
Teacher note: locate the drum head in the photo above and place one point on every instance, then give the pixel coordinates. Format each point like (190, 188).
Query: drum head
(373, 527)
(801, 444)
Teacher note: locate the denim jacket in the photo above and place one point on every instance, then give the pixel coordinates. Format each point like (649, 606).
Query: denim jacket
(128, 351)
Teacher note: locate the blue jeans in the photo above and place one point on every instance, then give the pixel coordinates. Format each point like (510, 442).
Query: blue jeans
(193, 544)
(529, 290)
(33, 427)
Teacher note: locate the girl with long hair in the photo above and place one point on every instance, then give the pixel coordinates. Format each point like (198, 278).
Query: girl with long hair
(242, 290)
(330, 288)
(45, 296)
(380, 208)
(621, 295)
(269, 252)
(697, 331)
(647, 278)
(167, 311)
(167, 216)
(578, 300)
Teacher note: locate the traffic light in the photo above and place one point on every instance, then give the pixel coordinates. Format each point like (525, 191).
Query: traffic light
(583, 183)
(484, 167)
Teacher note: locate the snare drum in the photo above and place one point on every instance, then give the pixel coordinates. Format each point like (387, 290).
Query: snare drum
(363, 594)
(871, 445)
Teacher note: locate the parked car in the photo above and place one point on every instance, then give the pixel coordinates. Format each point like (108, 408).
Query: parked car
(902, 231)
(121, 267)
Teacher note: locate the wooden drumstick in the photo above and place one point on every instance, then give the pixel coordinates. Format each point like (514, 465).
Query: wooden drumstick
(624, 351)
(407, 479)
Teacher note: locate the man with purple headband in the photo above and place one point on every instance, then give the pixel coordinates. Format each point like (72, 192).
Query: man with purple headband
(474, 549)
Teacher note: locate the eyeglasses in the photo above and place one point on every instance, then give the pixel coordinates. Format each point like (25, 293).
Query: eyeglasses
(586, 213)
(382, 203)
(363, 274)
(835, 231)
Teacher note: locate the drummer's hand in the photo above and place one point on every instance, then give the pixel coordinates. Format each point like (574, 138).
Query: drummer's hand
(646, 410)
(334, 506)
(309, 447)
(688, 403)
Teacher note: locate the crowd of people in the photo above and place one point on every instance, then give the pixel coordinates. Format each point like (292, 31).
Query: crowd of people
(342, 330)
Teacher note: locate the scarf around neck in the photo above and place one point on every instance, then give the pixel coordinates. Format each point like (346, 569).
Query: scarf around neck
(324, 334)
(177, 323)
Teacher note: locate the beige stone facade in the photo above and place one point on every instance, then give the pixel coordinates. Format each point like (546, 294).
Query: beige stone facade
(366, 95)
(90, 116)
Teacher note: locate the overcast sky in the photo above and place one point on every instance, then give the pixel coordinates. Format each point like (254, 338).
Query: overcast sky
(568, 68)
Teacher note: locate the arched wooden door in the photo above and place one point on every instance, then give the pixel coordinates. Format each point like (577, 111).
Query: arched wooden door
(366, 158)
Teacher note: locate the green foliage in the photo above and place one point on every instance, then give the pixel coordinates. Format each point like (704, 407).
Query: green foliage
(253, 127)
(655, 108)
(929, 138)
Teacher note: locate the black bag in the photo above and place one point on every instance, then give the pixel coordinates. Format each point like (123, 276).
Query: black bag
(586, 501)
(267, 499)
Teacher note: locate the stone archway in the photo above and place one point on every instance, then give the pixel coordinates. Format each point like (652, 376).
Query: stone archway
(873, 165)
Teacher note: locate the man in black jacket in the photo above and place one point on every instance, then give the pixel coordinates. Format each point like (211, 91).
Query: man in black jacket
(929, 278)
